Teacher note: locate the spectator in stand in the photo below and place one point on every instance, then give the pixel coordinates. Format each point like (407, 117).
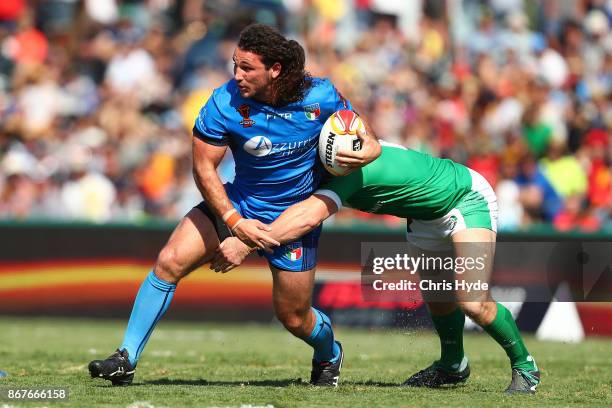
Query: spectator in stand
(596, 145)
(478, 82)
(576, 215)
(563, 171)
(540, 200)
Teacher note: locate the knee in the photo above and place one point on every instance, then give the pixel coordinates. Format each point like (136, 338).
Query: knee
(169, 266)
(295, 321)
(479, 312)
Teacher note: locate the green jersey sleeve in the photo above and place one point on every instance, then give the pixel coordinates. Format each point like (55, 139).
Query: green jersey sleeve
(341, 188)
(402, 182)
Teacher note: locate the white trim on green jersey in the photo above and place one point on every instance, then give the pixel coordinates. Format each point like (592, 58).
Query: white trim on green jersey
(331, 195)
(389, 144)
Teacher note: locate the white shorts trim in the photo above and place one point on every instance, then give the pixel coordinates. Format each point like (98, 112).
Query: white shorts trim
(482, 186)
(435, 235)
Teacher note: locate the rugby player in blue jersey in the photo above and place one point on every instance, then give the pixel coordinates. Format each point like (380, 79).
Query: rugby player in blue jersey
(269, 115)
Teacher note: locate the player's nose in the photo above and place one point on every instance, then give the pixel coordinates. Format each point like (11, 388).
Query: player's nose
(238, 75)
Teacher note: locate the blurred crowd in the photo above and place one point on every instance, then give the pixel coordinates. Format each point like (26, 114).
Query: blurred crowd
(98, 97)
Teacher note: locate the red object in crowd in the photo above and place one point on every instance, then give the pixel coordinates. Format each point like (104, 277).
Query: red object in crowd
(566, 221)
(600, 181)
(446, 134)
(11, 9)
(487, 165)
(31, 46)
(597, 138)
(600, 184)
(363, 4)
(461, 70)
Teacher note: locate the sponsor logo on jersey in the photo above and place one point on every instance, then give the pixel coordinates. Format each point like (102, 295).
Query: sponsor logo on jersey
(262, 146)
(258, 146)
(295, 254)
(244, 111)
(286, 115)
(312, 111)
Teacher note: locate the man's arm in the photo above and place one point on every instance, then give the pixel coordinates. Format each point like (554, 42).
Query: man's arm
(295, 221)
(303, 217)
(206, 158)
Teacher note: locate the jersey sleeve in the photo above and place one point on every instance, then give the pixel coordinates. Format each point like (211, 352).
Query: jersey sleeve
(341, 101)
(210, 126)
(340, 189)
(326, 96)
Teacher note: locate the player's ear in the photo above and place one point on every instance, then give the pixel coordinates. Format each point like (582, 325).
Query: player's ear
(275, 70)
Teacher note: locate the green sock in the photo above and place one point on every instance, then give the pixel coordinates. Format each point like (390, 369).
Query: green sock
(450, 331)
(503, 329)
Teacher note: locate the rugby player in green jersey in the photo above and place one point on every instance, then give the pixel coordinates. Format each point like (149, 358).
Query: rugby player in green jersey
(449, 207)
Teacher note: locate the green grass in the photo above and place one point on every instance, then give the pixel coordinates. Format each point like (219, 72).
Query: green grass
(205, 365)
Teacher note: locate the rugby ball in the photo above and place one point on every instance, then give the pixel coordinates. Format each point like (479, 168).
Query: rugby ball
(339, 132)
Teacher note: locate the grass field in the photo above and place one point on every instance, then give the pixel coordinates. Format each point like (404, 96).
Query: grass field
(206, 365)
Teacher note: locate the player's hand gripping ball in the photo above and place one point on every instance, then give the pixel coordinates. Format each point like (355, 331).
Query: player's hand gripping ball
(339, 132)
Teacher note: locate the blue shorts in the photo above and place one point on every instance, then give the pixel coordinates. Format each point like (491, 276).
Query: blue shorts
(297, 256)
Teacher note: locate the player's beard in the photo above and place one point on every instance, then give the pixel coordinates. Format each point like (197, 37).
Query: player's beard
(267, 94)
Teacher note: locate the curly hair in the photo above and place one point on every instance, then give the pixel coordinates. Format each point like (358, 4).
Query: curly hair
(265, 41)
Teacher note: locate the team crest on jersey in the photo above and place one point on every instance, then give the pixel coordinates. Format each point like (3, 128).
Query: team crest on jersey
(452, 223)
(244, 111)
(312, 111)
(294, 254)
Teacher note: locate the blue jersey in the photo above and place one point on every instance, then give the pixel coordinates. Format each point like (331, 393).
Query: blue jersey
(274, 149)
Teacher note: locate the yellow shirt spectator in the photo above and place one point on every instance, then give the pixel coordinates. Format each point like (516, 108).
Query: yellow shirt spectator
(566, 175)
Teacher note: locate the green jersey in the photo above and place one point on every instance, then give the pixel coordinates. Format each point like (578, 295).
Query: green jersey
(404, 183)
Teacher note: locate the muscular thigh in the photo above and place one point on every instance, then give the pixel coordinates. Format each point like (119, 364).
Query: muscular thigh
(476, 244)
(467, 243)
(292, 291)
(192, 243)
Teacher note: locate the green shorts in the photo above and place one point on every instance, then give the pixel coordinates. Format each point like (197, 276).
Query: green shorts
(477, 209)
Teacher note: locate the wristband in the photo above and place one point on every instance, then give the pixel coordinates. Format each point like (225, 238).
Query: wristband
(236, 224)
(233, 220)
(228, 213)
